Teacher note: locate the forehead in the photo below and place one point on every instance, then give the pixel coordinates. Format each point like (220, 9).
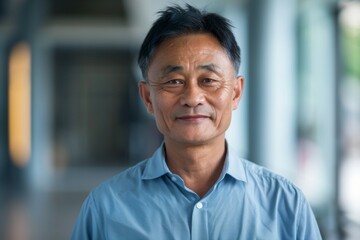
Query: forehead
(189, 51)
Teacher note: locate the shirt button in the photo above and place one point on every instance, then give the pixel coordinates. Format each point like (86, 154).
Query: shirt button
(173, 179)
(199, 205)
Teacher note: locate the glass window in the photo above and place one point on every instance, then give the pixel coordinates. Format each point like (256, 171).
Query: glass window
(89, 9)
(96, 109)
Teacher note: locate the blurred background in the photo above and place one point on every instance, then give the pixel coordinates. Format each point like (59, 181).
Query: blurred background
(70, 115)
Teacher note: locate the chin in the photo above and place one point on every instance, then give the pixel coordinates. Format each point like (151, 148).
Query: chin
(195, 140)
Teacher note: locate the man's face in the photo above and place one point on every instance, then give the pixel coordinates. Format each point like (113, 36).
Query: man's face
(191, 89)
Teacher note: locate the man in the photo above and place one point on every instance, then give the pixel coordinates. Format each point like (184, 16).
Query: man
(194, 186)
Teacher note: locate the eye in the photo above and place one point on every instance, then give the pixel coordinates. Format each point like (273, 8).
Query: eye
(175, 82)
(208, 81)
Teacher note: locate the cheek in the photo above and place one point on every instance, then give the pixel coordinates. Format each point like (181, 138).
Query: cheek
(223, 105)
(161, 105)
(223, 100)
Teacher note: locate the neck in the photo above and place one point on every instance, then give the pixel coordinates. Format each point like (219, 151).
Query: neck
(199, 166)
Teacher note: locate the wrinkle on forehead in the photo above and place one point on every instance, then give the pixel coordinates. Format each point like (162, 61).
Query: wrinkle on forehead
(191, 52)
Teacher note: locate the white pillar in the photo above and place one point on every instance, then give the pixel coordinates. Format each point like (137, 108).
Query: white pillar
(272, 106)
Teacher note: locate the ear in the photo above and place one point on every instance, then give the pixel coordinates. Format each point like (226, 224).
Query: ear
(144, 93)
(237, 91)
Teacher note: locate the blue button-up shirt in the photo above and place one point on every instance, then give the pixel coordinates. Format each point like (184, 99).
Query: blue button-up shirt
(147, 201)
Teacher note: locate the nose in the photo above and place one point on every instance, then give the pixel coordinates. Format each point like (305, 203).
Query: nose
(192, 95)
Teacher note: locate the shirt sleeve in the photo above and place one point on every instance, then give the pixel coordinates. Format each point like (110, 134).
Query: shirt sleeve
(307, 224)
(87, 224)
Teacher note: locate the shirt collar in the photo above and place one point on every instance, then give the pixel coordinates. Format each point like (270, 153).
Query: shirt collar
(233, 166)
(157, 167)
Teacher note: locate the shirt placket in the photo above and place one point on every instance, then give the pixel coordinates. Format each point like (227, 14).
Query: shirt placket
(199, 223)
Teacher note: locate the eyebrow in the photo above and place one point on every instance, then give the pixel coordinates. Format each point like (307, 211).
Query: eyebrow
(177, 68)
(210, 67)
(171, 68)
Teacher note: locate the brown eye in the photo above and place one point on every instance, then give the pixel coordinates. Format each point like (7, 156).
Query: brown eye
(175, 82)
(207, 80)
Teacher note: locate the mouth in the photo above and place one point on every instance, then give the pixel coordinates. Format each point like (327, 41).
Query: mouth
(192, 118)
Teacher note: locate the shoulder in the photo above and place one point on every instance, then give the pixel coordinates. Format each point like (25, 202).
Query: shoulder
(254, 170)
(274, 195)
(101, 200)
(267, 183)
(124, 181)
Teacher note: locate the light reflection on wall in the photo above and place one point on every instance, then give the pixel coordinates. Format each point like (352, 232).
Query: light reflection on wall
(19, 104)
